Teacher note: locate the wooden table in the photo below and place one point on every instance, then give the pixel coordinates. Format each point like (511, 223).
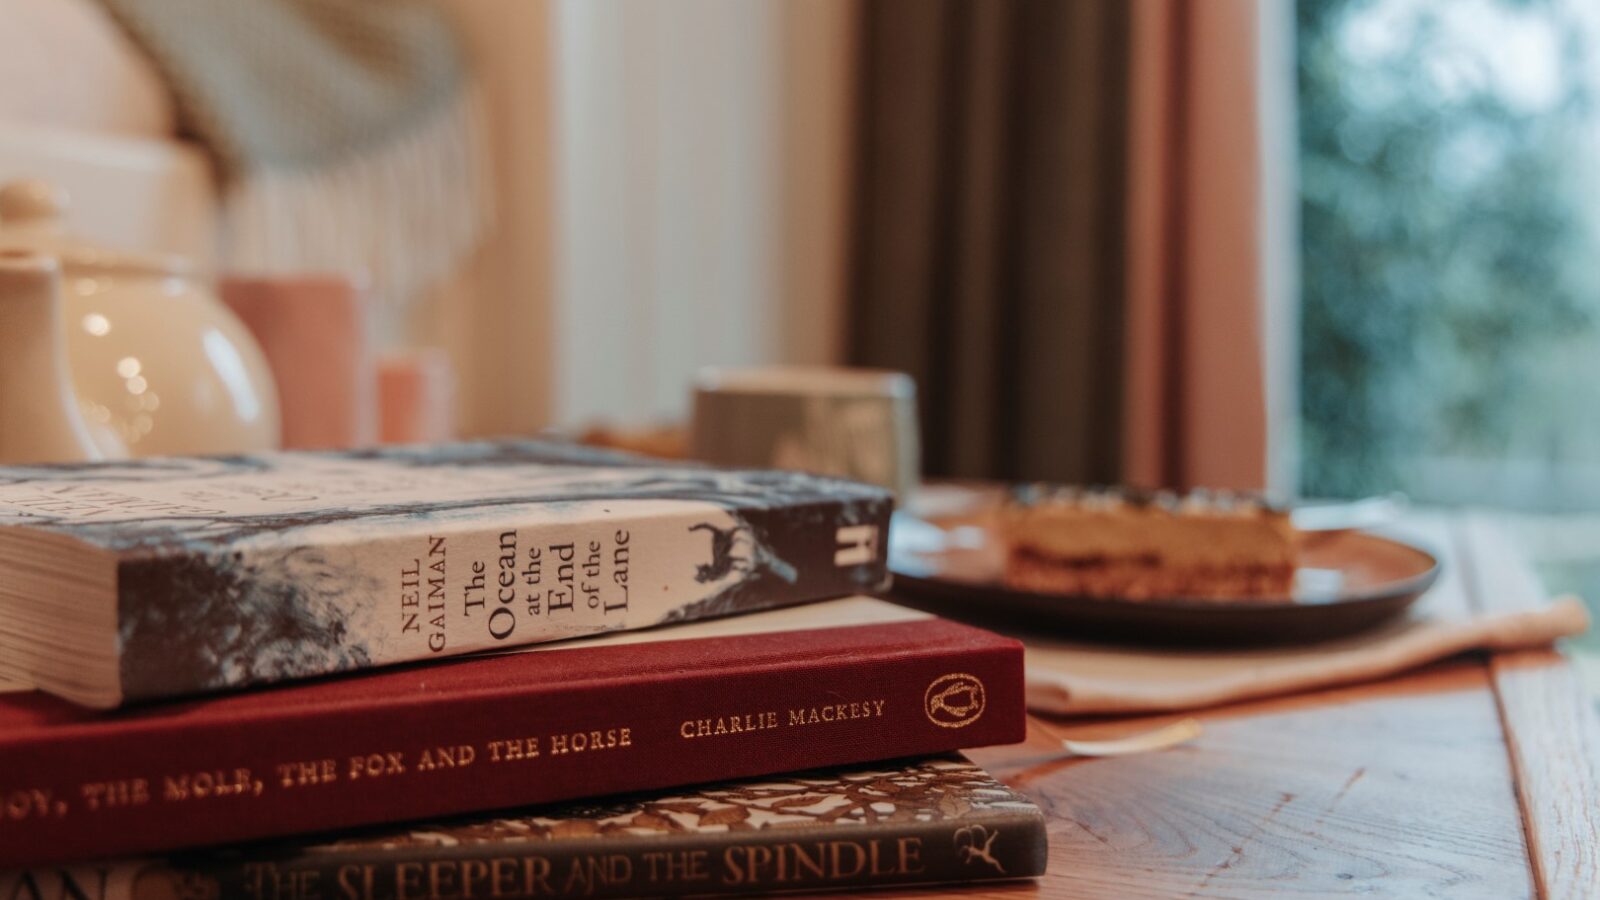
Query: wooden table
(1474, 777)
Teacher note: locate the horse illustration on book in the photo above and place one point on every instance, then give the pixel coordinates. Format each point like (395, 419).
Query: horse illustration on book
(724, 560)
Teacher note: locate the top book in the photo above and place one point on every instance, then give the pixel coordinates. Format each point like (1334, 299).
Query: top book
(158, 578)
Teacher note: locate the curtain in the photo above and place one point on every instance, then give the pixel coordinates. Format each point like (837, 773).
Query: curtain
(991, 196)
(1195, 400)
(1057, 234)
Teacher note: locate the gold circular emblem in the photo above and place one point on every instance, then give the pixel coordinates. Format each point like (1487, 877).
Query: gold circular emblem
(954, 700)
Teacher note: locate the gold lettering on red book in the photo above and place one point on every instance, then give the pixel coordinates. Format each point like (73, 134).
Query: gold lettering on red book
(205, 785)
(597, 739)
(837, 712)
(735, 723)
(30, 803)
(115, 793)
(514, 749)
(376, 765)
(306, 774)
(457, 757)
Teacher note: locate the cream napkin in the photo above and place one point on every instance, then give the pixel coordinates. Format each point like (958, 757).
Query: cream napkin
(1067, 678)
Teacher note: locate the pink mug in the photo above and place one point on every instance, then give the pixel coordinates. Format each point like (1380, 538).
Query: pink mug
(315, 332)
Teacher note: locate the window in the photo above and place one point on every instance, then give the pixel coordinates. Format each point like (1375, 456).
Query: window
(1450, 254)
(1450, 320)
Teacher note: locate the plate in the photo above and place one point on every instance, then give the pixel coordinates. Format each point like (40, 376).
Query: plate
(945, 556)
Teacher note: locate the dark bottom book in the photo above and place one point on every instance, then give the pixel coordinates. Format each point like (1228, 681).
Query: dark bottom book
(923, 821)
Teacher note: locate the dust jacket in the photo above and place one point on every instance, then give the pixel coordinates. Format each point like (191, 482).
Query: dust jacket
(921, 821)
(160, 578)
(828, 684)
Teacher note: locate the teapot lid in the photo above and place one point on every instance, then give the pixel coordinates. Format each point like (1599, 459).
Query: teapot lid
(32, 217)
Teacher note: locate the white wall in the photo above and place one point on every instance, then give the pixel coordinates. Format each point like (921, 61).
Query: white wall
(699, 195)
(672, 180)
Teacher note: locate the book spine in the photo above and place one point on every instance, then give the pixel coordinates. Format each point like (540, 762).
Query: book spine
(271, 598)
(186, 783)
(729, 862)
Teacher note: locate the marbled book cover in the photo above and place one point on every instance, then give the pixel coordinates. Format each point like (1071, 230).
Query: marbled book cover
(230, 571)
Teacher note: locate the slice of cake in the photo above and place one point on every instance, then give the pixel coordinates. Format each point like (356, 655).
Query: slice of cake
(1140, 545)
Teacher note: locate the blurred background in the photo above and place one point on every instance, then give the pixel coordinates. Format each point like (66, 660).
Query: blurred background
(1329, 247)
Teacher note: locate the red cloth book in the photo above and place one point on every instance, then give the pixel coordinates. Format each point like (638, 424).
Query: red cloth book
(497, 732)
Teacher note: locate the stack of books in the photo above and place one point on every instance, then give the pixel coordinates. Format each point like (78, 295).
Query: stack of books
(494, 669)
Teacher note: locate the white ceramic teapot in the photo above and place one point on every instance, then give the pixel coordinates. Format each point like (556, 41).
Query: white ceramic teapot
(159, 365)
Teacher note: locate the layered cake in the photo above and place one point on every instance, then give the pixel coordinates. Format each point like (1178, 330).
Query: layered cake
(1139, 545)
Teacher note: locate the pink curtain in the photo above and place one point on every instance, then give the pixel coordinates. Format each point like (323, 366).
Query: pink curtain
(1195, 400)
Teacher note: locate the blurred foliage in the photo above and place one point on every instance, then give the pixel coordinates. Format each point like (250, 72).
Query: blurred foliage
(1448, 252)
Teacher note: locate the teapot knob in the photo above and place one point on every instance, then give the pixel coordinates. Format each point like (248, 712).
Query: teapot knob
(31, 200)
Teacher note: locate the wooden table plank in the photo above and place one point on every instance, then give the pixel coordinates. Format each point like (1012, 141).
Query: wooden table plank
(1401, 788)
(1552, 731)
(1398, 789)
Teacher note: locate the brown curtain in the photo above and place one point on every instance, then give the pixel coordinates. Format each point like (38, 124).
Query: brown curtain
(990, 228)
